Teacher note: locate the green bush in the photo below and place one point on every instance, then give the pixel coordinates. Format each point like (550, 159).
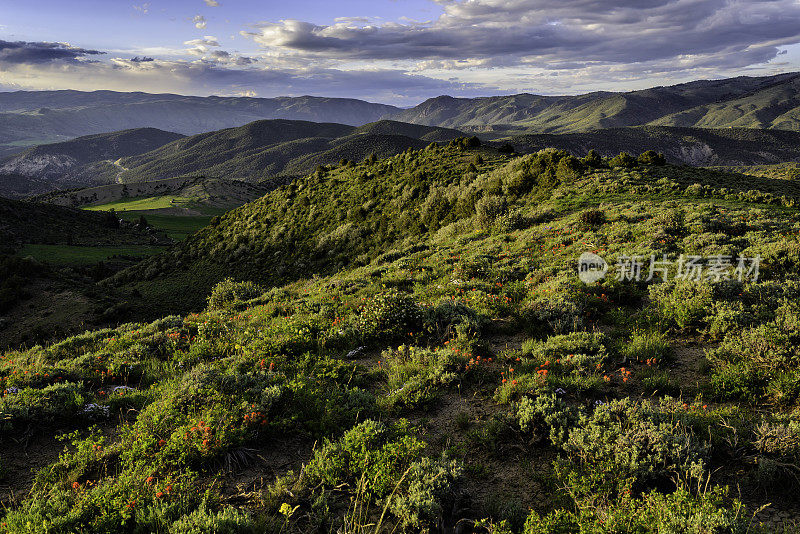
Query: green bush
(389, 315)
(548, 416)
(592, 218)
(229, 520)
(653, 513)
(428, 490)
(623, 160)
(683, 303)
(625, 443)
(229, 292)
(371, 453)
(652, 158)
(488, 209)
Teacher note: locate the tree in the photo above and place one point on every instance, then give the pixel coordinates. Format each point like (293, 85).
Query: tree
(472, 142)
(651, 157)
(506, 149)
(593, 159)
(623, 160)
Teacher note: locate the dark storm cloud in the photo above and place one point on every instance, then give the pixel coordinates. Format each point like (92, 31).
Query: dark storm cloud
(734, 32)
(21, 52)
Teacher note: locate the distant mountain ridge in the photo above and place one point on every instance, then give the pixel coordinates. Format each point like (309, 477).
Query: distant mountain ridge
(70, 163)
(35, 117)
(699, 103)
(268, 148)
(258, 151)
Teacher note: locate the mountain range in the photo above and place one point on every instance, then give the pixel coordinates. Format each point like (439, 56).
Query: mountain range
(736, 121)
(258, 151)
(35, 117)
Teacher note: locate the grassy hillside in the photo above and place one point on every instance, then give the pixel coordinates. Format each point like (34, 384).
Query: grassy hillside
(693, 146)
(51, 258)
(34, 117)
(777, 106)
(563, 114)
(423, 357)
(264, 149)
(66, 164)
(202, 193)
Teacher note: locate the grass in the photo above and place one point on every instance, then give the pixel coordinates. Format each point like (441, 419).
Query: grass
(77, 255)
(178, 227)
(147, 203)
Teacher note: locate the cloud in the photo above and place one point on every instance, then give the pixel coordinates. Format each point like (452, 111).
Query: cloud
(143, 59)
(144, 8)
(212, 3)
(199, 22)
(734, 33)
(22, 52)
(206, 77)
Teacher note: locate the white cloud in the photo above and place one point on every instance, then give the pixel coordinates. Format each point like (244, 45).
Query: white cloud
(212, 3)
(199, 22)
(731, 33)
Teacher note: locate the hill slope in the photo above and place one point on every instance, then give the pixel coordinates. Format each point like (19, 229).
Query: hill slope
(40, 116)
(777, 106)
(559, 114)
(62, 164)
(692, 146)
(264, 149)
(208, 192)
(435, 362)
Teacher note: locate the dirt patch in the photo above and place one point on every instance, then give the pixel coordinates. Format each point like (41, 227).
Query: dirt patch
(21, 457)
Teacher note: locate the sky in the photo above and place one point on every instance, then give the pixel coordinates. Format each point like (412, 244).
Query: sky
(397, 52)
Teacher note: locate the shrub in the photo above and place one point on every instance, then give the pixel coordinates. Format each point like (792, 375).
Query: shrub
(682, 303)
(371, 452)
(592, 218)
(429, 491)
(472, 142)
(489, 208)
(389, 315)
(229, 292)
(547, 415)
(623, 160)
(647, 346)
(593, 159)
(652, 158)
(626, 443)
(229, 520)
(652, 513)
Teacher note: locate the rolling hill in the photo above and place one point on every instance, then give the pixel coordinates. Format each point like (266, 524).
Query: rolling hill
(692, 146)
(207, 192)
(265, 149)
(777, 106)
(35, 117)
(407, 345)
(677, 105)
(66, 164)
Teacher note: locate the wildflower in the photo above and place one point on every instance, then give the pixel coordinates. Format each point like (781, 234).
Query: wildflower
(159, 495)
(75, 485)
